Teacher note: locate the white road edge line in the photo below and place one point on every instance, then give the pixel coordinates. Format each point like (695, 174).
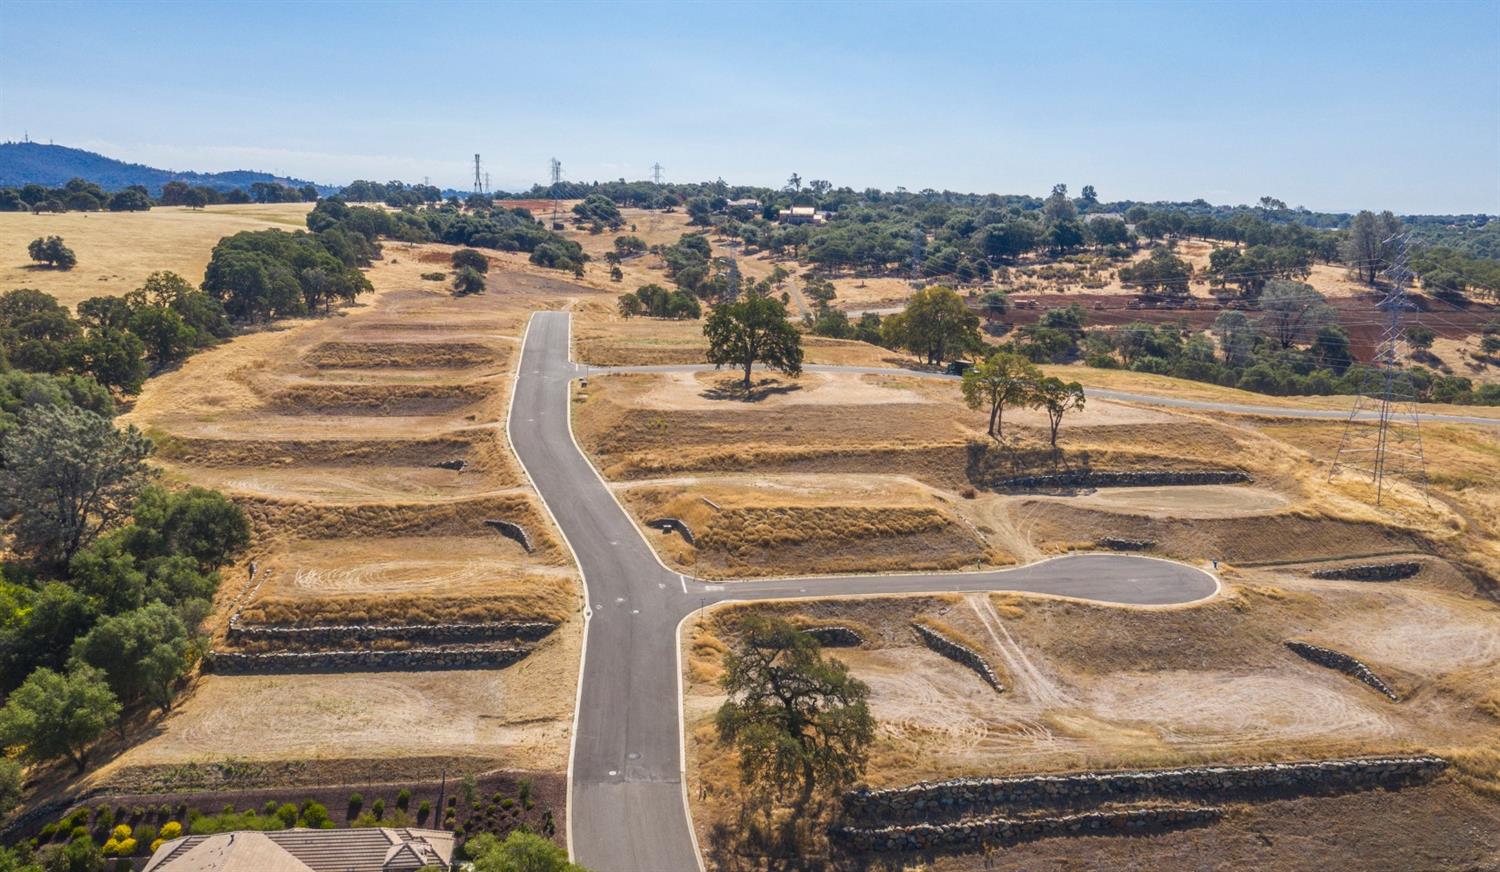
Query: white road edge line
(687, 809)
(587, 612)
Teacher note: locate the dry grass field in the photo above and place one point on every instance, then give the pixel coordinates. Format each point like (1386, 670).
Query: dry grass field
(1091, 685)
(117, 250)
(338, 436)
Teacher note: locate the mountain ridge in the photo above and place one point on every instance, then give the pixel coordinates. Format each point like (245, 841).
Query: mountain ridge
(26, 163)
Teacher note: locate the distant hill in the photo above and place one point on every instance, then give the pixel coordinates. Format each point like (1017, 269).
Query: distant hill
(25, 163)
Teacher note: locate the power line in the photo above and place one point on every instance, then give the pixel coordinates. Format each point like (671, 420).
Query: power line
(1397, 438)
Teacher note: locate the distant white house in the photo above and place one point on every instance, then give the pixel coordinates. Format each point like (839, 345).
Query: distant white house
(802, 215)
(362, 849)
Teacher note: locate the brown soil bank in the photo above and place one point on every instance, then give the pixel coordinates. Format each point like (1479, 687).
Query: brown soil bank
(740, 530)
(1437, 826)
(1280, 538)
(419, 355)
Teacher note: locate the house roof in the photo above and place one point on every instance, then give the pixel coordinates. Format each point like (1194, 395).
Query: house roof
(372, 849)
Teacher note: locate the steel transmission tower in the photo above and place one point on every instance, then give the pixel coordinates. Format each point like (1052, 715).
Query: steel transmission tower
(1394, 445)
(656, 173)
(478, 178)
(556, 179)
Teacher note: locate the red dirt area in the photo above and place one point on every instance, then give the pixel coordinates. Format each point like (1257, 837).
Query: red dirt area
(1359, 316)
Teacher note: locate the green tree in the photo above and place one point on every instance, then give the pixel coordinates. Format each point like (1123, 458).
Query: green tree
(11, 780)
(468, 257)
(55, 714)
(51, 251)
(115, 358)
(142, 653)
(132, 199)
(1236, 336)
(798, 720)
(1420, 337)
(468, 281)
(1002, 379)
(68, 475)
(519, 852)
(1292, 312)
(36, 332)
(935, 323)
(1369, 246)
(1057, 398)
(630, 306)
(166, 337)
(750, 331)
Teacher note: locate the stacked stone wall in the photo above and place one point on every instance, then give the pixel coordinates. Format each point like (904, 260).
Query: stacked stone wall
(929, 800)
(1343, 663)
(968, 835)
(283, 636)
(429, 658)
(835, 636)
(513, 531)
(1085, 478)
(1371, 571)
(960, 653)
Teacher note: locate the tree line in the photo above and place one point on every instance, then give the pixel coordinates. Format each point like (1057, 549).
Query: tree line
(81, 195)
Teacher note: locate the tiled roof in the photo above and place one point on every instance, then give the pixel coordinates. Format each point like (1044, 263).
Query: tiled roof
(353, 850)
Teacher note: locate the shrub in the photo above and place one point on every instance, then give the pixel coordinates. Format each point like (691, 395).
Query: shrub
(170, 830)
(378, 806)
(315, 816)
(523, 791)
(425, 807)
(356, 802)
(507, 803)
(120, 832)
(157, 844)
(403, 799)
(145, 834)
(434, 276)
(287, 813)
(269, 807)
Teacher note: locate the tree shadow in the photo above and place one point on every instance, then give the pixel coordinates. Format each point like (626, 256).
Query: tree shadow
(734, 389)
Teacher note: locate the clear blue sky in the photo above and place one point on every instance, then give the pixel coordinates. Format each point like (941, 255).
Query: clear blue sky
(1327, 105)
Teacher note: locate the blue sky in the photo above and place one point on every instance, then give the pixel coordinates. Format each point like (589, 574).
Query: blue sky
(1327, 105)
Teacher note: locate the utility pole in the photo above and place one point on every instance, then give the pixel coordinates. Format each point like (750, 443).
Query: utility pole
(556, 179)
(1394, 445)
(478, 179)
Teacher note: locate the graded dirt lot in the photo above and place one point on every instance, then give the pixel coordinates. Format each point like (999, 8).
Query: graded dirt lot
(117, 250)
(369, 450)
(1093, 686)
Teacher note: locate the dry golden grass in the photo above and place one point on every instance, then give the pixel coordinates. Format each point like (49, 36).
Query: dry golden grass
(328, 431)
(117, 250)
(811, 525)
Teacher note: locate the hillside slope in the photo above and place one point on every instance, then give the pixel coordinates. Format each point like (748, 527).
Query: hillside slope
(25, 163)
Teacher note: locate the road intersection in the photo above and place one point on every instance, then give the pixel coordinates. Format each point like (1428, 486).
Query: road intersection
(627, 809)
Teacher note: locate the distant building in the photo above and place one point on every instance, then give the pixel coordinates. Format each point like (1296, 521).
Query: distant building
(362, 849)
(749, 203)
(802, 215)
(1100, 216)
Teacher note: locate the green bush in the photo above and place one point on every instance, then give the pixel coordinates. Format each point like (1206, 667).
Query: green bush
(378, 807)
(403, 799)
(315, 816)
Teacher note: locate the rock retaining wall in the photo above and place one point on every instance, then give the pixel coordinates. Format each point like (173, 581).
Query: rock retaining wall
(835, 636)
(1115, 544)
(960, 653)
(1371, 571)
(417, 634)
(512, 531)
(1343, 663)
(977, 832)
(671, 525)
(1143, 478)
(465, 657)
(928, 800)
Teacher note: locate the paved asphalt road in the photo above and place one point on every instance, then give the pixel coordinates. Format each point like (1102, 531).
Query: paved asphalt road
(627, 809)
(1157, 399)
